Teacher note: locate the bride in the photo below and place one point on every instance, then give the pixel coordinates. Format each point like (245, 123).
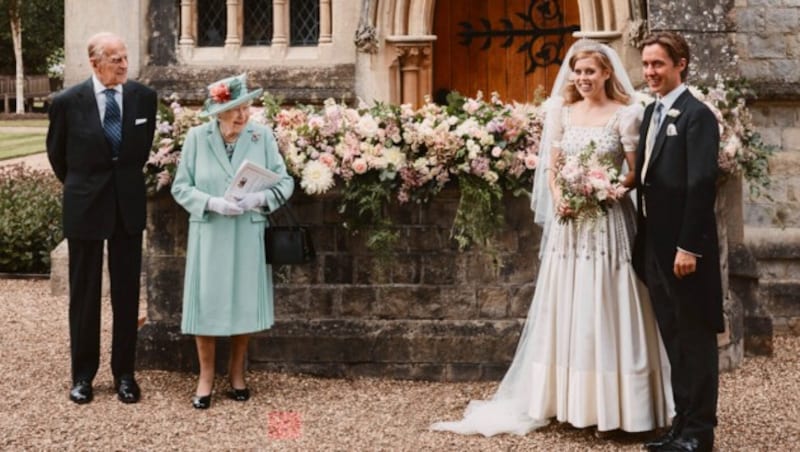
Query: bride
(590, 353)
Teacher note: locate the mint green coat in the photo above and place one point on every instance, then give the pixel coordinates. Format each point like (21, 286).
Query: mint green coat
(228, 285)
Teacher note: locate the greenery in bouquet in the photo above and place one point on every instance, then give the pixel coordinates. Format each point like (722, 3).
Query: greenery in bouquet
(588, 183)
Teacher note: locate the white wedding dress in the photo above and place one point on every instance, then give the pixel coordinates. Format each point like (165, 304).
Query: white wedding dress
(590, 352)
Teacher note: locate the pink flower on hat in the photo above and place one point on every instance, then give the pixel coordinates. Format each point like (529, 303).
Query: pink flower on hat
(220, 93)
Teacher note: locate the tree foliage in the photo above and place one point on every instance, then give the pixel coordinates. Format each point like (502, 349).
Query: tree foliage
(42, 33)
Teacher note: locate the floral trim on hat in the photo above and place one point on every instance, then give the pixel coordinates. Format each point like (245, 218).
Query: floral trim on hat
(222, 92)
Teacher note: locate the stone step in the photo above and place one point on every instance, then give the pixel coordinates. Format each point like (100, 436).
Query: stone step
(442, 350)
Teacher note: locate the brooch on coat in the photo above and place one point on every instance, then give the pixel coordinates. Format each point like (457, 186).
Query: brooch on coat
(255, 137)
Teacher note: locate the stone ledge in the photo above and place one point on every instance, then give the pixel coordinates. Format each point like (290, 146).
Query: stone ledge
(776, 91)
(773, 243)
(308, 85)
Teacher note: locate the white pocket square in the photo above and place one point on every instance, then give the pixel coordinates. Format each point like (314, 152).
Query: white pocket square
(672, 130)
(140, 121)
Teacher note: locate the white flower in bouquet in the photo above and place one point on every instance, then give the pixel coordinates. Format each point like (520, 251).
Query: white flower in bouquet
(367, 126)
(471, 106)
(316, 178)
(395, 157)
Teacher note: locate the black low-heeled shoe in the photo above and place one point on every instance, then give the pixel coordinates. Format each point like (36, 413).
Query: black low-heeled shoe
(201, 402)
(239, 395)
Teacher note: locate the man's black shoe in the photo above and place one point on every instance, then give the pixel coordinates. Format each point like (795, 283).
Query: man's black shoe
(81, 392)
(127, 389)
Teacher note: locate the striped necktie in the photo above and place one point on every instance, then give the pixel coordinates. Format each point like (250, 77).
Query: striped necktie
(112, 122)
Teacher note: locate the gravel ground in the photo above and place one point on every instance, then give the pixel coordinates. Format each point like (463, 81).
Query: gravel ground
(759, 406)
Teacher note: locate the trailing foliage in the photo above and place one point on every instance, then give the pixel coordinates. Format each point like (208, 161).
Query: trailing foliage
(30, 219)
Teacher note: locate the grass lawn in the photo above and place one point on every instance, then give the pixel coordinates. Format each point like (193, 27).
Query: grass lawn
(24, 123)
(20, 144)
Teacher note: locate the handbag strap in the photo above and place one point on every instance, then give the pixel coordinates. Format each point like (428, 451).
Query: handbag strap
(285, 204)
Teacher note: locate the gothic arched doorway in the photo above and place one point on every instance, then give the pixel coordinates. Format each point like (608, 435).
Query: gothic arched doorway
(513, 47)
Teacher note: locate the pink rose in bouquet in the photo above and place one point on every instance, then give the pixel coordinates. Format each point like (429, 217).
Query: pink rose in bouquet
(589, 183)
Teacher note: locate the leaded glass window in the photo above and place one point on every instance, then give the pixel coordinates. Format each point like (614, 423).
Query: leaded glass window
(211, 23)
(304, 15)
(257, 22)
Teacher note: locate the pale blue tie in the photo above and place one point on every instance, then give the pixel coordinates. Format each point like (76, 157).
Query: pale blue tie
(658, 112)
(112, 122)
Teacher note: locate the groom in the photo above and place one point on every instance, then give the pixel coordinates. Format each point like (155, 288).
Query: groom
(676, 251)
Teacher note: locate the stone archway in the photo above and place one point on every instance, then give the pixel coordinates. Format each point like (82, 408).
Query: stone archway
(403, 29)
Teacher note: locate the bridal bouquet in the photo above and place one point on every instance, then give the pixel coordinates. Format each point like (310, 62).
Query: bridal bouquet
(589, 183)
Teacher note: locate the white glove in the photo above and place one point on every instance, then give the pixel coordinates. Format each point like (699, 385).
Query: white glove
(250, 201)
(223, 207)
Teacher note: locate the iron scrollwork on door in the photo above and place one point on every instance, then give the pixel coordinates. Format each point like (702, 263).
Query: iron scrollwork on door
(546, 54)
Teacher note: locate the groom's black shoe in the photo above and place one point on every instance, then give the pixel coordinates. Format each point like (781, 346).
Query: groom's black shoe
(688, 444)
(663, 440)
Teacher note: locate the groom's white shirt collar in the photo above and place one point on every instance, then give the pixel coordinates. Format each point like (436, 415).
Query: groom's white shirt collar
(672, 96)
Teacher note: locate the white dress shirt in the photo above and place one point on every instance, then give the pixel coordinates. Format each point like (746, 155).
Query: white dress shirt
(100, 97)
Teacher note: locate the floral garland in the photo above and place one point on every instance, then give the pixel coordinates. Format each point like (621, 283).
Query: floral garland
(382, 154)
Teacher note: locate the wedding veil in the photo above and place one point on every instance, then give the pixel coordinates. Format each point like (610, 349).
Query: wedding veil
(541, 198)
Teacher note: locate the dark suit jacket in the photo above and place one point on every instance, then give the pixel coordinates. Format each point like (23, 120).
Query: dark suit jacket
(678, 195)
(94, 184)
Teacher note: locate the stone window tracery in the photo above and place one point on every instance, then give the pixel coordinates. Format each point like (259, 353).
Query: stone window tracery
(253, 30)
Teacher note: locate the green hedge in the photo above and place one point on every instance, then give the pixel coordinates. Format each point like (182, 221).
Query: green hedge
(30, 219)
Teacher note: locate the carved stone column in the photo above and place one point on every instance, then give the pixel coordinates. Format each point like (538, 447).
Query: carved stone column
(599, 19)
(325, 22)
(233, 41)
(186, 42)
(279, 11)
(416, 76)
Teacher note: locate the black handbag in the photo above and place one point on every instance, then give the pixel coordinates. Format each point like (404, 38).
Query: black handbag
(287, 244)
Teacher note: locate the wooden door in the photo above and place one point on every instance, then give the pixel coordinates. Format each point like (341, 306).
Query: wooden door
(513, 47)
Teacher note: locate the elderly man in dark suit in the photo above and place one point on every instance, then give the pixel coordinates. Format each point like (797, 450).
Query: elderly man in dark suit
(676, 250)
(99, 139)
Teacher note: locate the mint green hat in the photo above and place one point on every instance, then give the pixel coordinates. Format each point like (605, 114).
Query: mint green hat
(228, 93)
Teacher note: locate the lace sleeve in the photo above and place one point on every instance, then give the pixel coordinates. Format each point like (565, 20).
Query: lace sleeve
(630, 118)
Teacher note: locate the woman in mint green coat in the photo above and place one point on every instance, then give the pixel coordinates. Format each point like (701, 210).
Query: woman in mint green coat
(228, 285)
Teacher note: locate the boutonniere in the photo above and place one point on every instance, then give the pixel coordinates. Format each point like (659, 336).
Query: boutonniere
(672, 130)
(673, 112)
(255, 137)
